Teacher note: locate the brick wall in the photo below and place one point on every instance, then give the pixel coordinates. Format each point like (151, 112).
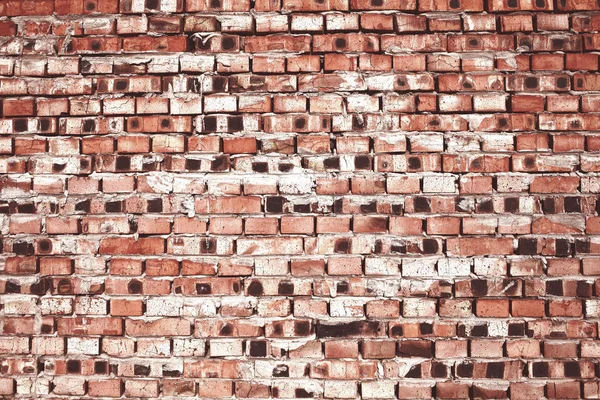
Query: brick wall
(375, 199)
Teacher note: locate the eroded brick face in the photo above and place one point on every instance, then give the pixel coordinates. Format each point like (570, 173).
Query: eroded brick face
(335, 199)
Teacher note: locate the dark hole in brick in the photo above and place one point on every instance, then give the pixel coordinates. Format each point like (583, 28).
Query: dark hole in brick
(165, 123)
(83, 206)
(83, 163)
(579, 82)
(73, 366)
(467, 85)
(41, 287)
(121, 84)
(531, 82)
(342, 287)
(47, 329)
(558, 44)
(142, 370)
(540, 3)
(275, 204)
(203, 288)
(258, 348)
(397, 331)
(208, 246)
(422, 204)
(347, 329)
(511, 204)
(485, 206)
(512, 3)
(227, 43)
(582, 246)
(123, 163)
(285, 167)
(479, 287)
(540, 369)
(192, 165)
(277, 329)
(527, 246)
(90, 6)
(454, 4)
(113, 206)
(430, 246)
(414, 372)
(572, 204)
(44, 124)
(502, 122)
(362, 162)
(495, 370)
(45, 246)
(12, 287)
(516, 329)
(302, 328)
(575, 124)
(414, 163)
(464, 370)
(26, 208)
(220, 163)
(302, 208)
(155, 205)
(425, 328)
(299, 123)
(64, 286)
(479, 331)
(285, 288)
(171, 373)
(152, 4)
(96, 45)
(340, 43)
(215, 3)
(134, 287)
(376, 3)
(100, 367)
(554, 288)
(58, 167)
(332, 163)
(572, 369)
(357, 123)
(584, 289)
(438, 370)
(134, 123)
(20, 125)
(235, 123)
(302, 393)
(260, 167)
(219, 83)
(342, 246)
(23, 248)
(210, 124)
(434, 122)
(548, 205)
(562, 248)
(255, 288)
(226, 330)
(473, 42)
(401, 82)
(562, 82)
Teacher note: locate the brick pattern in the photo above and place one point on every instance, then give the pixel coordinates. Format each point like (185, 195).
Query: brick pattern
(339, 199)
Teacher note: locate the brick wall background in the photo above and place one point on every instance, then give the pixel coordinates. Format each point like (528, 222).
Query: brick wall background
(376, 199)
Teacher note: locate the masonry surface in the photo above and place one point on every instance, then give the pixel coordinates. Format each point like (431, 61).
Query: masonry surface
(334, 199)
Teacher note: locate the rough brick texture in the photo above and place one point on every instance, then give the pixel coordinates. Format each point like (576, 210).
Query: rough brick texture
(339, 199)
